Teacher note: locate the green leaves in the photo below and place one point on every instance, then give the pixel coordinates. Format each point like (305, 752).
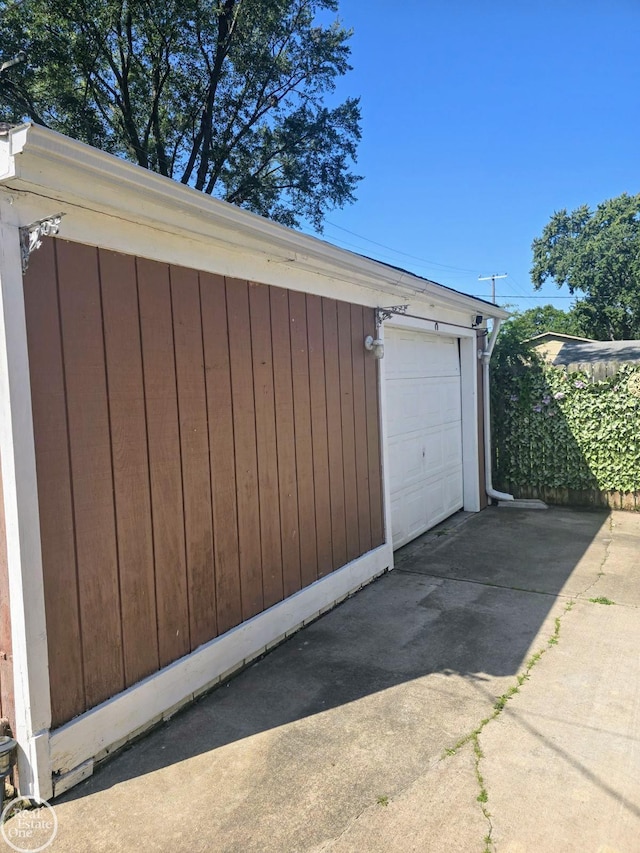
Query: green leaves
(559, 430)
(596, 253)
(227, 96)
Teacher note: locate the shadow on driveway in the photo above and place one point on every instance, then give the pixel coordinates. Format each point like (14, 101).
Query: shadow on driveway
(464, 602)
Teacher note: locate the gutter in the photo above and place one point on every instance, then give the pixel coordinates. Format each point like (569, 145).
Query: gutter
(486, 358)
(34, 159)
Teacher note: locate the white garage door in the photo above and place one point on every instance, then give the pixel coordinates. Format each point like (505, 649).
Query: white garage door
(424, 429)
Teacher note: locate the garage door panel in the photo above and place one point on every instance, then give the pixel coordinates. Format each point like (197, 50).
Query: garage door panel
(424, 428)
(434, 453)
(418, 355)
(424, 455)
(410, 467)
(422, 403)
(453, 493)
(402, 399)
(408, 513)
(451, 445)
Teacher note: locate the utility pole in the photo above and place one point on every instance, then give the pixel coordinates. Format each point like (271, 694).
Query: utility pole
(493, 282)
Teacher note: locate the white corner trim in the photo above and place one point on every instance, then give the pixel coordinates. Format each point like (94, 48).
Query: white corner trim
(26, 592)
(469, 366)
(120, 717)
(384, 442)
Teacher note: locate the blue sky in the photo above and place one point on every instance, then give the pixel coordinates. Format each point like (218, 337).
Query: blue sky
(480, 119)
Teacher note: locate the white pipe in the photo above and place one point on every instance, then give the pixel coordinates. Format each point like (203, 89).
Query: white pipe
(486, 358)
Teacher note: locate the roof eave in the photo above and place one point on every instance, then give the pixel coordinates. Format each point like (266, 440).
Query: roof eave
(34, 156)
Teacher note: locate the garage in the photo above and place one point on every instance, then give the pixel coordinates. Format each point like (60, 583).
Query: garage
(201, 449)
(424, 430)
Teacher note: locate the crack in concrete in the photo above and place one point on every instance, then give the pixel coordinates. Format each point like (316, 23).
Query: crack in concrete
(600, 573)
(490, 584)
(498, 707)
(474, 736)
(331, 842)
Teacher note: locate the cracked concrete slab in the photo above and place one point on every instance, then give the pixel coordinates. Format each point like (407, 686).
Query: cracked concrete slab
(435, 813)
(619, 582)
(562, 765)
(335, 741)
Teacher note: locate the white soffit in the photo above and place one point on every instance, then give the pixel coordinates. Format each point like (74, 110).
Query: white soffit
(40, 161)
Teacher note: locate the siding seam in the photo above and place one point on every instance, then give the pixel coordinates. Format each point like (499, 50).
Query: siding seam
(71, 485)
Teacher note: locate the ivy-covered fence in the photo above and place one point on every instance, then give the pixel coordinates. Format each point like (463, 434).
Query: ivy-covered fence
(567, 439)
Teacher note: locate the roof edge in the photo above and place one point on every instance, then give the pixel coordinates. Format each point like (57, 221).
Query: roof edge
(33, 155)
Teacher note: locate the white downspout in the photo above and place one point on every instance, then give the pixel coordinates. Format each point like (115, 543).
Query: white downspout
(486, 358)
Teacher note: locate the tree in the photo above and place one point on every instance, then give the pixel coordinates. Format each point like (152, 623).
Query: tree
(227, 96)
(596, 253)
(544, 318)
(512, 356)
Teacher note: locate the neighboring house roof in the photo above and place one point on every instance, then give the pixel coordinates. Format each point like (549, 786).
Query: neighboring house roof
(599, 358)
(553, 336)
(576, 351)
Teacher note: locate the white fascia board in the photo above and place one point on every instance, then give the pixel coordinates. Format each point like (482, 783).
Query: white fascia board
(42, 161)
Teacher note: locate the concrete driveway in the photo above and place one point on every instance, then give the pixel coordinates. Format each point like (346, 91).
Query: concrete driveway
(483, 696)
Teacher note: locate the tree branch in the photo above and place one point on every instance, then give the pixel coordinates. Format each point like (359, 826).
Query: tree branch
(226, 27)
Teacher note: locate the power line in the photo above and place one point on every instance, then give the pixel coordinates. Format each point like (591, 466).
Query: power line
(518, 291)
(398, 251)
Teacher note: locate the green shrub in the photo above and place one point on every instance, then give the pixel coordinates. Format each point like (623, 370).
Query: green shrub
(556, 429)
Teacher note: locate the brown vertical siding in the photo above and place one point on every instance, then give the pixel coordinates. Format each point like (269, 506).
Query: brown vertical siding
(373, 436)
(303, 437)
(334, 432)
(165, 463)
(213, 300)
(55, 496)
(360, 427)
(91, 470)
(270, 537)
(319, 435)
(246, 452)
(348, 430)
(7, 709)
(130, 465)
(194, 450)
(204, 449)
(285, 440)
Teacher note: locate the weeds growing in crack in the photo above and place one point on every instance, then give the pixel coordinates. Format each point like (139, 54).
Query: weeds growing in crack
(483, 795)
(498, 707)
(601, 572)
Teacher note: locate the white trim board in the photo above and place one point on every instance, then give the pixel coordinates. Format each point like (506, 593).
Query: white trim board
(24, 557)
(124, 715)
(38, 162)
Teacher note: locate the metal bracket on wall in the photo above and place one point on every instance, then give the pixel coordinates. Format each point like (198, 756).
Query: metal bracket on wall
(31, 236)
(383, 314)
